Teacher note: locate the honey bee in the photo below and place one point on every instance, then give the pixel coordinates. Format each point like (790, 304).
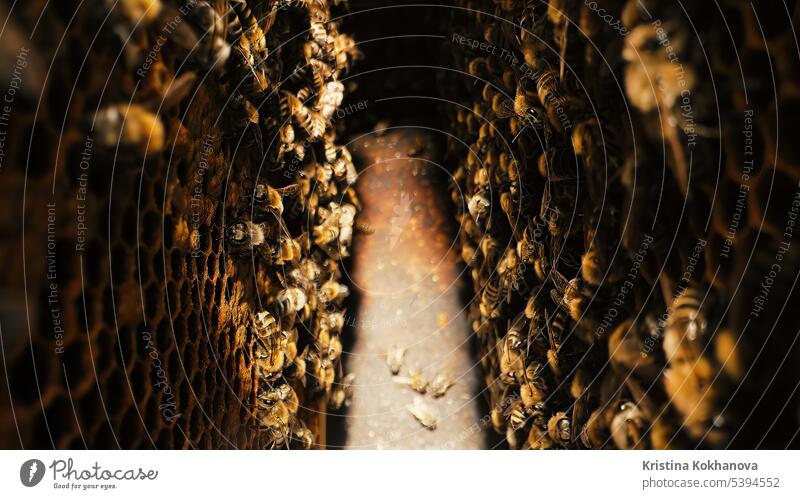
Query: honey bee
(250, 24)
(547, 89)
(571, 295)
(394, 358)
(344, 169)
(344, 51)
(290, 301)
(273, 415)
(302, 437)
(132, 128)
(347, 217)
(332, 322)
(264, 325)
(649, 77)
(320, 371)
(321, 72)
(289, 251)
(513, 208)
(491, 251)
(318, 33)
(246, 74)
(333, 292)
(628, 427)
(287, 138)
(524, 110)
(490, 299)
(423, 413)
(331, 151)
(234, 31)
(288, 396)
(559, 429)
(269, 359)
(509, 271)
(212, 45)
(326, 233)
(124, 17)
(478, 206)
(691, 379)
(555, 327)
(528, 245)
(626, 348)
(415, 380)
(277, 437)
(539, 439)
(138, 11)
(596, 264)
(532, 388)
(440, 384)
(512, 359)
(308, 272)
(653, 84)
(333, 348)
(312, 50)
(297, 370)
(594, 434)
(245, 236)
(241, 119)
(342, 393)
(312, 122)
(267, 200)
(469, 254)
(516, 415)
(330, 98)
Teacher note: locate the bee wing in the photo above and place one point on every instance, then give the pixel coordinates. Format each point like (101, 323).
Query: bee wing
(178, 88)
(506, 109)
(531, 334)
(545, 206)
(416, 409)
(557, 297)
(551, 334)
(559, 281)
(448, 382)
(423, 413)
(282, 225)
(640, 397)
(290, 191)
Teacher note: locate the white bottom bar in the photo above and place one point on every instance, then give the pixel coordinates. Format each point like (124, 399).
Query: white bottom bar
(407, 474)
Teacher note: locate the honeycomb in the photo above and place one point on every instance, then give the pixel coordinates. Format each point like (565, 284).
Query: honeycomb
(627, 196)
(141, 133)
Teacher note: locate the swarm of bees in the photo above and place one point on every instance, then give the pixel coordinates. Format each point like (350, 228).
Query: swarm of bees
(296, 219)
(605, 320)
